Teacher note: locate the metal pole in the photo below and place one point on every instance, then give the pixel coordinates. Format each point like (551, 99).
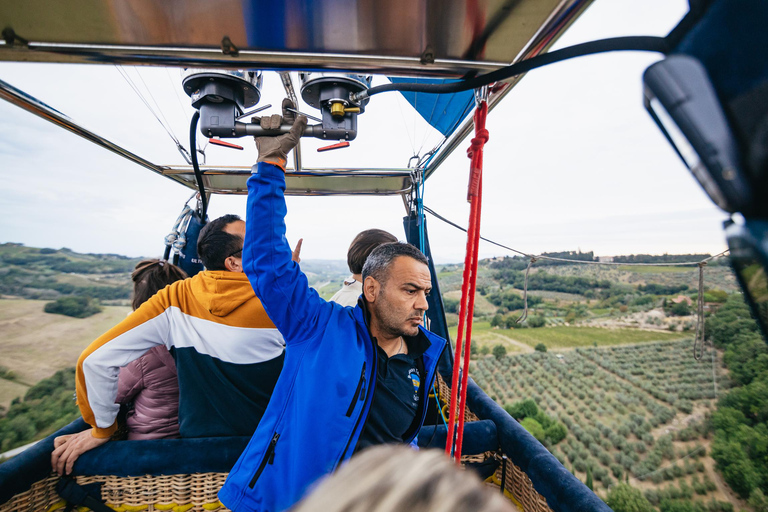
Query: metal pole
(285, 76)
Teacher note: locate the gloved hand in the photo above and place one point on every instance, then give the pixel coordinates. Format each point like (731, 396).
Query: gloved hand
(274, 149)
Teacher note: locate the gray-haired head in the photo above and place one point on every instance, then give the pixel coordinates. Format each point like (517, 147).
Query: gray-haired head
(378, 262)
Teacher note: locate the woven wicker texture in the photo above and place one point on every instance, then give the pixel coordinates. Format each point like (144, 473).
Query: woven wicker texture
(517, 484)
(177, 493)
(38, 498)
(198, 492)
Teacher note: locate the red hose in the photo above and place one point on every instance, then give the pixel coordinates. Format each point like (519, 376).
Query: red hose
(468, 285)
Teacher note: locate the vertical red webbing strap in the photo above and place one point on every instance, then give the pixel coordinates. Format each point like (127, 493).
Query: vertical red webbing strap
(468, 286)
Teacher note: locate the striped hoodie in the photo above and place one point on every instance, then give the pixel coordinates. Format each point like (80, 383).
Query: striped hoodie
(228, 356)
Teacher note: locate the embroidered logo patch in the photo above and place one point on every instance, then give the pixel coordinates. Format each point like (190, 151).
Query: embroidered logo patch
(413, 373)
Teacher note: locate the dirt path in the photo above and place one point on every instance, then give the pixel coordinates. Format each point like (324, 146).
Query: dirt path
(518, 344)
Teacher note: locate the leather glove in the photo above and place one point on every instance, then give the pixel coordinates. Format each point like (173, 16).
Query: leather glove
(274, 149)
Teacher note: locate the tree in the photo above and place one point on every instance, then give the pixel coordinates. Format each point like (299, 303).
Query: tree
(523, 409)
(589, 482)
(625, 498)
(680, 309)
(758, 501)
(556, 432)
(451, 305)
(536, 321)
(499, 351)
(541, 347)
(535, 428)
(78, 307)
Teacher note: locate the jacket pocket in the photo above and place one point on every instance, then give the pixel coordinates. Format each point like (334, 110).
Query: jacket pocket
(359, 392)
(269, 458)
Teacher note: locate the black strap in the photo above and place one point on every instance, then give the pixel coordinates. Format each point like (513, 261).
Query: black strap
(75, 494)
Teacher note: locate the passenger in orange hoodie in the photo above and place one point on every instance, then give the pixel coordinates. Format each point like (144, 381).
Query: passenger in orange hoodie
(228, 352)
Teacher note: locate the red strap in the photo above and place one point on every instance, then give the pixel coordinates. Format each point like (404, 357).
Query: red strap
(468, 286)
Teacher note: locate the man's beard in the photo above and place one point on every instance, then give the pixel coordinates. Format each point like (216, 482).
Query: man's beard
(389, 321)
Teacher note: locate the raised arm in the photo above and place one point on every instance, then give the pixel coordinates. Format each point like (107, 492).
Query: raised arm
(294, 307)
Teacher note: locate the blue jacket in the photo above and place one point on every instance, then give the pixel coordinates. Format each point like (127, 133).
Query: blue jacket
(323, 395)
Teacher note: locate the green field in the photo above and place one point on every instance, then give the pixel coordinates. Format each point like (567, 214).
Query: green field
(564, 336)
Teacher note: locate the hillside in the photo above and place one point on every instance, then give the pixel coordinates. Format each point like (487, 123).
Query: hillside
(36, 344)
(613, 297)
(630, 396)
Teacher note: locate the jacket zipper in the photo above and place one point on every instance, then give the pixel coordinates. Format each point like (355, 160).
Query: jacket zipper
(365, 398)
(360, 386)
(269, 457)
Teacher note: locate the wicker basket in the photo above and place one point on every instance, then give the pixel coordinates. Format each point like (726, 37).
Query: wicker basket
(518, 487)
(177, 493)
(198, 492)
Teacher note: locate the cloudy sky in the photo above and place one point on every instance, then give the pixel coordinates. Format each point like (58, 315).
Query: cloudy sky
(573, 161)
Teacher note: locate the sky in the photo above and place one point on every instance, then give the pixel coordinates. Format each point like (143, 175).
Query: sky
(573, 161)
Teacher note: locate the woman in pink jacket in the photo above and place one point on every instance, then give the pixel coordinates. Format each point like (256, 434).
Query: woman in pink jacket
(150, 382)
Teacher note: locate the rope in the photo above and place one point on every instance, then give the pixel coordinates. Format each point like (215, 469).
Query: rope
(135, 88)
(584, 262)
(525, 292)
(698, 341)
(469, 284)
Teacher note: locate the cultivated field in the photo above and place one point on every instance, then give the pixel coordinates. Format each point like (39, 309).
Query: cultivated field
(565, 336)
(633, 412)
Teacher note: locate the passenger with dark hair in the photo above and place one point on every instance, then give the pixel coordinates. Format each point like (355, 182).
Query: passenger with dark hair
(353, 377)
(148, 385)
(151, 276)
(228, 352)
(358, 252)
(216, 244)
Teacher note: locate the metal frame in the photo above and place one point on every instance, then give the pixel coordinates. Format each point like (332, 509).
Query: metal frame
(246, 59)
(307, 182)
(547, 34)
(283, 62)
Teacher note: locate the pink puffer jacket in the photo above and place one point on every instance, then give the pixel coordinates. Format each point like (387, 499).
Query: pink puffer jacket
(151, 383)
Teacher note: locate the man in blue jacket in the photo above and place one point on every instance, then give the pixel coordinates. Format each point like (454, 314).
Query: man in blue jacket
(352, 377)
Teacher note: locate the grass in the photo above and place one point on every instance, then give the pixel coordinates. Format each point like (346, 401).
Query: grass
(10, 390)
(482, 305)
(329, 289)
(564, 336)
(35, 344)
(484, 334)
